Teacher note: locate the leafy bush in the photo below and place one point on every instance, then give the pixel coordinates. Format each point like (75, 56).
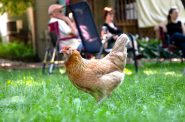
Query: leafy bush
(15, 7)
(152, 49)
(17, 51)
(149, 48)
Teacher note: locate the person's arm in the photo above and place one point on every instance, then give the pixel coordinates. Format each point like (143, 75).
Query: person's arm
(104, 31)
(163, 25)
(157, 33)
(69, 23)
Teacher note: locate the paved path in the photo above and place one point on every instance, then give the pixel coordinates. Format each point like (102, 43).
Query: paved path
(7, 64)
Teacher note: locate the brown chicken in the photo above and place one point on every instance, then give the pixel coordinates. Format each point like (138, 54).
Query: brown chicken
(97, 77)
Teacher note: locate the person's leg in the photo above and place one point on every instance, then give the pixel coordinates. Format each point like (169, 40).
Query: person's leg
(179, 40)
(181, 46)
(178, 37)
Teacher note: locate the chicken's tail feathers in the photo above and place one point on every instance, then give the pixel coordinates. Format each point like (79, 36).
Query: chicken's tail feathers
(121, 43)
(118, 54)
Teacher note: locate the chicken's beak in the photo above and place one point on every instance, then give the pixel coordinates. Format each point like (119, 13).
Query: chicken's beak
(65, 50)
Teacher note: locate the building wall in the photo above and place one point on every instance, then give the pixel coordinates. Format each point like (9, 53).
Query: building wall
(17, 27)
(31, 26)
(41, 25)
(3, 27)
(14, 27)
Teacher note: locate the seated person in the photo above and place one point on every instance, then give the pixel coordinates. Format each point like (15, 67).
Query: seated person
(109, 28)
(175, 29)
(66, 26)
(112, 32)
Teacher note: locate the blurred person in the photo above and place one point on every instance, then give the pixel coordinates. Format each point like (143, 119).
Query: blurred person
(111, 31)
(109, 28)
(174, 25)
(175, 29)
(66, 26)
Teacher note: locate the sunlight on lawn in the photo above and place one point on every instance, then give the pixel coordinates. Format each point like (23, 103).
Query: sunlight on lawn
(62, 71)
(172, 73)
(166, 73)
(25, 81)
(12, 100)
(149, 72)
(128, 71)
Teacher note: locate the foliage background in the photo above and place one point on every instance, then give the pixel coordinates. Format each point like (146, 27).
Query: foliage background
(17, 50)
(15, 7)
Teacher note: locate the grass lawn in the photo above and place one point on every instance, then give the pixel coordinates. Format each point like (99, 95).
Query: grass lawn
(155, 94)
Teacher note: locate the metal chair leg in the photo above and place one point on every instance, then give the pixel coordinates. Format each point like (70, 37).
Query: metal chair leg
(100, 52)
(45, 60)
(52, 61)
(134, 53)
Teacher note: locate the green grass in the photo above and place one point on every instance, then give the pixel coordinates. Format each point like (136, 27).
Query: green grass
(155, 94)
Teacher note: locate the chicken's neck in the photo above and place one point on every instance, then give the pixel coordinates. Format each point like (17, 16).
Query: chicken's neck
(75, 64)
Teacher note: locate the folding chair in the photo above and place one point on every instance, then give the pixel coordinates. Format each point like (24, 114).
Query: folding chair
(85, 24)
(87, 29)
(52, 54)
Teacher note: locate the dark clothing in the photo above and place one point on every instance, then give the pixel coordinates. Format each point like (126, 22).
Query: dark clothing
(174, 28)
(176, 35)
(113, 31)
(178, 40)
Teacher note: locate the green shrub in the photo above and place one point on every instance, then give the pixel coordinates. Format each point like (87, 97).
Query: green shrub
(17, 51)
(150, 48)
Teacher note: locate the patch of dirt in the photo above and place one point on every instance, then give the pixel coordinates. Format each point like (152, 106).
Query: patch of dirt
(8, 64)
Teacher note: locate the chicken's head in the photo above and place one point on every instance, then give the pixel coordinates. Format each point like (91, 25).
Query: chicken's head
(69, 51)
